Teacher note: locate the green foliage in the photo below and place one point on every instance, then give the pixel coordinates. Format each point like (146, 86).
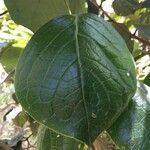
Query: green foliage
(80, 78)
(125, 7)
(20, 119)
(10, 55)
(34, 15)
(131, 130)
(49, 140)
(146, 4)
(147, 80)
(13, 38)
(76, 75)
(142, 23)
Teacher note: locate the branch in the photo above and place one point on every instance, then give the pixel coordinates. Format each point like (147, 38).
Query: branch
(5, 12)
(27, 138)
(146, 42)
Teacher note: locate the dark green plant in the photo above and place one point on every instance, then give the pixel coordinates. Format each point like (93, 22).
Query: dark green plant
(77, 75)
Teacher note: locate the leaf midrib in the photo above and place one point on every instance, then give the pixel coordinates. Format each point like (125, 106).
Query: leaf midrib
(81, 74)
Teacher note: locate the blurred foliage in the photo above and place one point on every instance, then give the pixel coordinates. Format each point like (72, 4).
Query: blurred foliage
(125, 7)
(13, 39)
(20, 119)
(147, 80)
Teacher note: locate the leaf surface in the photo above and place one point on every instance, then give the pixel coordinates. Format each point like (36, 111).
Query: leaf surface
(131, 130)
(36, 13)
(75, 77)
(49, 140)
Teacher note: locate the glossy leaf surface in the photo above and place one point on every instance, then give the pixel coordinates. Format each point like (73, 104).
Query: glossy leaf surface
(49, 140)
(75, 77)
(131, 130)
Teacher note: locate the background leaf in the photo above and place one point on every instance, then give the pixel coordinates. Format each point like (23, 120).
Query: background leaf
(142, 23)
(125, 7)
(49, 140)
(20, 119)
(74, 78)
(10, 55)
(147, 80)
(34, 15)
(131, 130)
(146, 4)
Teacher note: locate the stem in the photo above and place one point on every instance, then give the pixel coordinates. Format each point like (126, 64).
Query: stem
(5, 12)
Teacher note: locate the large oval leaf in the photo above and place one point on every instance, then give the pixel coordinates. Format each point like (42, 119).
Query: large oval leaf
(75, 77)
(38, 13)
(49, 140)
(131, 130)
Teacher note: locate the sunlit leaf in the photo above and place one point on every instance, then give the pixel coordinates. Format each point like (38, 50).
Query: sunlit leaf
(11, 53)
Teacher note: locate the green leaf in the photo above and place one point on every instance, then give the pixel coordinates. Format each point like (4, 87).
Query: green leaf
(34, 15)
(125, 7)
(136, 50)
(146, 4)
(131, 130)
(147, 80)
(20, 119)
(75, 78)
(10, 55)
(142, 23)
(125, 33)
(50, 140)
